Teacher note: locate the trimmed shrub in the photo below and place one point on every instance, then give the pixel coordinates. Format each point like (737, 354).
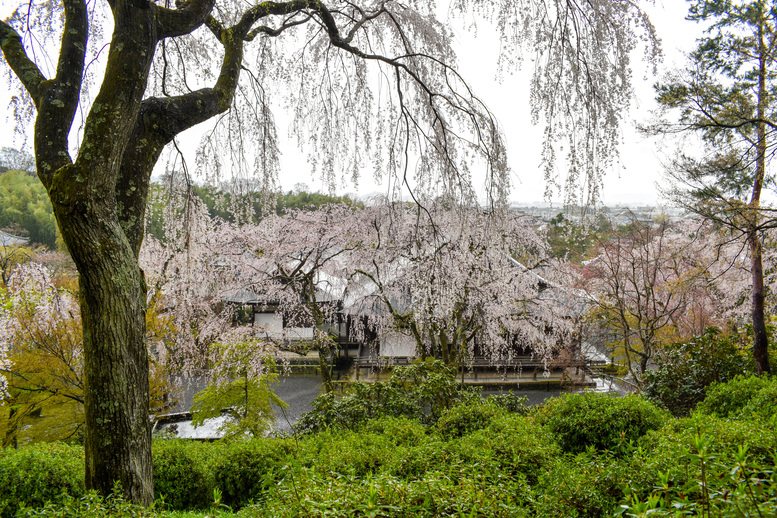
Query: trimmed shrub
(587, 485)
(601, 421)
(428, 459)
(344, 452)
(398, 430)
(246, 469)
(684, 370)
(745, 397)
(387, 496)
(516, 445)
(671, 457)
(181, 470)
(38, 474)
(465, 419)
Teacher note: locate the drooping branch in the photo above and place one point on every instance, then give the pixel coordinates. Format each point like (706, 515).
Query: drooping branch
(162, 118)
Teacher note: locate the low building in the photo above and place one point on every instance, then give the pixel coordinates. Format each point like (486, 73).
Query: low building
(11, 240)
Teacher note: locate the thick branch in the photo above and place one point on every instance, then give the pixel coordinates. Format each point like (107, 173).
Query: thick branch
(188, 17)
(115, 109)
(159, 121)
(256, 13)
(16, 57)
(59, 98)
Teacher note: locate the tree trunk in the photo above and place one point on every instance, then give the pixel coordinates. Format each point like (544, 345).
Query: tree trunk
(112, 294)
(760, 336)
(326, 374)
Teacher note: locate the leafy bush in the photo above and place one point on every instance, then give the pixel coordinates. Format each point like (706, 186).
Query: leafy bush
(181, 470)
(669, 455)
(464, 419)
(423, 391)
(246, 469)
(684, 370)
(517, 446)
(399, 430)
(599, 420)
(344, 452)
(38, 474)
(510, 401)
(384, 495)
(91, 506)
(589, 484)
(744, 397)
(718, 477)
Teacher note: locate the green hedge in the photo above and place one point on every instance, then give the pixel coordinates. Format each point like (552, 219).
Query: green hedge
(745, 397)
(183, 473)
(40, 473)
(601, 421)
(245, 470)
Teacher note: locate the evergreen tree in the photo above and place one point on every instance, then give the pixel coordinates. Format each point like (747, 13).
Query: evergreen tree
(725, 96)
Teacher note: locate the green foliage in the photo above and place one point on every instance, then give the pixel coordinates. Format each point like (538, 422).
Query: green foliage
(601, 421)
(567, 239)
(478, 460)
(302, 200)
(182, 478)
(402, 430)
(516, 446)
(41, 473)
(314, 495)
(91, 505)
(589, 484)
(423, 391)
(510, 402)
(222, 204)
(25, 203)
(668, 458)
(247, 469)
(684, 370)
(465, 419)
(244, 397)
(344, 452)
(745, 397)
(719, 477)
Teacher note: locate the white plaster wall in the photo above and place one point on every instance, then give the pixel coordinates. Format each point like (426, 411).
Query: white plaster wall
(397, 344)
(272, 323)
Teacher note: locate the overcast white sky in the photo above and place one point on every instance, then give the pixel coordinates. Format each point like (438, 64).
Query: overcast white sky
(632, 181)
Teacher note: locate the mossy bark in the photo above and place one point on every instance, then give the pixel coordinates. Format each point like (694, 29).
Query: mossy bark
(116, 387)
